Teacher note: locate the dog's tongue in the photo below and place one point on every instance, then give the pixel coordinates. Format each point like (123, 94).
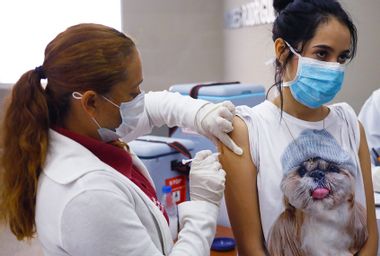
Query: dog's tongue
(320, 193)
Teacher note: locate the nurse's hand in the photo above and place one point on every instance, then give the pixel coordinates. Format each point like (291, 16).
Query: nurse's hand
(215, 122)
(206, 178)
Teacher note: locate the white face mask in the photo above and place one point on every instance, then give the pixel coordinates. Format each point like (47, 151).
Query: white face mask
(130, 113)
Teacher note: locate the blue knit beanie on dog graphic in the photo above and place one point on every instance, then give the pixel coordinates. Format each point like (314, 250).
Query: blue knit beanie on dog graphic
(316, 143)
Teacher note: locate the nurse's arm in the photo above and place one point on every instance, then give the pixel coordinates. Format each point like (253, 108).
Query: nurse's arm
(241, 193)
(370, 247)
(172, 109)
(166, 108)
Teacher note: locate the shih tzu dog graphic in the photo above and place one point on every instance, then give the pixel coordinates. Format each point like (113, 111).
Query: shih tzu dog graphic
(321, 216)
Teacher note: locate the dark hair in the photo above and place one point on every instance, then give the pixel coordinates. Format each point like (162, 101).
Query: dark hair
(297, 22)
(84, 57)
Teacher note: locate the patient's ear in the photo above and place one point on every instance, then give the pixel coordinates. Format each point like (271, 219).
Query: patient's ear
(281, 50)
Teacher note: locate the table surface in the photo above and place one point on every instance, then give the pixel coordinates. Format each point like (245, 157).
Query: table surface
(224, 232)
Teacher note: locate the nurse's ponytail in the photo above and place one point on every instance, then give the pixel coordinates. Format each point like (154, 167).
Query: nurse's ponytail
(24, 146)
(83, 57)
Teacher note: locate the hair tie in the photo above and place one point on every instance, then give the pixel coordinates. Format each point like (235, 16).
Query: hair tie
(40, 71)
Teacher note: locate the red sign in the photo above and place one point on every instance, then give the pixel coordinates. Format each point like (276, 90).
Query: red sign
(178, 185)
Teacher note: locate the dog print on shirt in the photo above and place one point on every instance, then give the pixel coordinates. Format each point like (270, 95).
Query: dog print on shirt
(321, 216)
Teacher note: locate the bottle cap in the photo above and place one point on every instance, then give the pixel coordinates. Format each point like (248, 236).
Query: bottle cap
(166, 189)
(223, 244)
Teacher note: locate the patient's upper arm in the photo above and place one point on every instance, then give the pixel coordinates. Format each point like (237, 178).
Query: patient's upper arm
(241, 192)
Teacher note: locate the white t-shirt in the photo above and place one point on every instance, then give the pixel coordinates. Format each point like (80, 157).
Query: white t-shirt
(278, 146)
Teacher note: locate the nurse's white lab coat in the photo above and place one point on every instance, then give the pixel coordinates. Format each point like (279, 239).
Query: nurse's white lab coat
(85, 207)
(369, 116)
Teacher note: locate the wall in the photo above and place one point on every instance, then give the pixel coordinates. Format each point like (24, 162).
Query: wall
(363, 74)
(247, 49)
(4, 92)
(184, 41)
(180, 41)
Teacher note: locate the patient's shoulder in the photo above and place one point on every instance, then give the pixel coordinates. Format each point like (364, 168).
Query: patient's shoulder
(240, 129)
(239, 135)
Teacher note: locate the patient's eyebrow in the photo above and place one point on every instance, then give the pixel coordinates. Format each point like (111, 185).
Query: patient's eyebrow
(329, 48)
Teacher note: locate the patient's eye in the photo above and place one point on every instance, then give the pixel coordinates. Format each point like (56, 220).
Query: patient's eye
(343, 58)
(321, 55)
(301, 171)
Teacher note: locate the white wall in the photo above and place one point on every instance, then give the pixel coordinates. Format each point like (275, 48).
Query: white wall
(4, 92)
(247, 49)
(180, 41)
(184, 41)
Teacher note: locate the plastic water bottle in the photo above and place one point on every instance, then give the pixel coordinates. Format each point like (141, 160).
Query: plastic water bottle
(171, 210)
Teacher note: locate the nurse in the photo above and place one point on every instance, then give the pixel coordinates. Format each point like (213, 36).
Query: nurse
(68, 177)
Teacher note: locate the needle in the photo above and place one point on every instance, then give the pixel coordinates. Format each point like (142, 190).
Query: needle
(185, 161)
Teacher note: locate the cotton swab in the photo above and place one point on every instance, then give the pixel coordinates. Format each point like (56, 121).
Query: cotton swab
(185, 161)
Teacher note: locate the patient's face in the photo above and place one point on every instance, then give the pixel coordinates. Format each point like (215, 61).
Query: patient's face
(331, 43)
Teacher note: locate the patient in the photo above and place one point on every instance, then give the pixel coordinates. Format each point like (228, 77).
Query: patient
(303, 185)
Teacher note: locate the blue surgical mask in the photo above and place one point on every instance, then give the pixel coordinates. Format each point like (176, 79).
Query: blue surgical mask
(316, 82)
(130, 112)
